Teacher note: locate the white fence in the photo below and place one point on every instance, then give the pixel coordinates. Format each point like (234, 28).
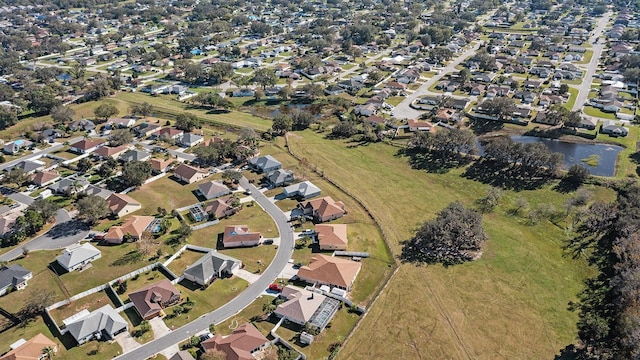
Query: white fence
(204, 225)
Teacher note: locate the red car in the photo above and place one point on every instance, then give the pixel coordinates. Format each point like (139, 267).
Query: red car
(275, 287)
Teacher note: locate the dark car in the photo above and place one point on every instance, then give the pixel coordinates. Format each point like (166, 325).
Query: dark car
(268, 241)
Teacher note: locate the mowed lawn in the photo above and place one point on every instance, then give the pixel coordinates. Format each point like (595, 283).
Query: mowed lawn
(167, 193)
(512, 303)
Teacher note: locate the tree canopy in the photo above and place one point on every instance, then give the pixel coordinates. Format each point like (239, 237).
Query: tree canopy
(456, 235)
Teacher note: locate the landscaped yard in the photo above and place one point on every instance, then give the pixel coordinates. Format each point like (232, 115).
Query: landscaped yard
(185, 260)
(167, 193)
(511, 303)
(591, 111)
(217, 294)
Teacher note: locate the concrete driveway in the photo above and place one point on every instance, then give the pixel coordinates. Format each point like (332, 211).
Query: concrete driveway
(159, 328)
(249, 277)
(127, 342)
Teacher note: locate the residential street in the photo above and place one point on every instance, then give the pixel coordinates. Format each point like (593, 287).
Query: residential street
(285, 250)
(405, 111)
(64, 233)
(591, 68)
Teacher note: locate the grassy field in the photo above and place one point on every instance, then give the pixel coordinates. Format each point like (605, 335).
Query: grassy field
(255, 259)
(167, 105)
(166, 193)
(591, 111)
(512, 303)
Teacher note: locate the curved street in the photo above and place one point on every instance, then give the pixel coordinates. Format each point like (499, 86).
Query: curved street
(65, 232)
(285, 250)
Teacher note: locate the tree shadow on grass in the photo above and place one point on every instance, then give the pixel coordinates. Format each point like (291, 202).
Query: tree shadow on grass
(479, 126)
(565, 186)
(433, 162)
(571, 352)
(505, 176)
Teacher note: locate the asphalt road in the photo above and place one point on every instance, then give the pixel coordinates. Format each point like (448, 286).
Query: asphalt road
(405, 111)
(585, 86)
(285, 250)
(65, 232)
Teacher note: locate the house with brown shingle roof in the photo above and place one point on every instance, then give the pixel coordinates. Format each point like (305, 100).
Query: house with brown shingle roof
(168, 133)
(121, 204)
(86, 146)
(45, 177)
(239, 235)
(323, 209)
(306, 307)
(220, 208)
(133, 227)
(150, 300)
(332, 236)
(161, 165)
(242, 344)
(105, 152)
(330, 270)
(32, 349)
(420, 125)
(189, 174)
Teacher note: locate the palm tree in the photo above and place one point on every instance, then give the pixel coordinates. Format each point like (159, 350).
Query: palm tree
(49, 352)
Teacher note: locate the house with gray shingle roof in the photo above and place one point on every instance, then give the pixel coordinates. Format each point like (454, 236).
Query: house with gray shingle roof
(190, 140)
(304, 190)
(212, 265)
(102, 323)
(13, 277)
(213, 189)
(135, 155)
(280, 177)
(77, 257)
(265, 164)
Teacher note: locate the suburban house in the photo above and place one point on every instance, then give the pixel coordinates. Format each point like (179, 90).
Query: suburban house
(85, 146)
(306, 307)
(332, 236)
(14, 147)
(420, 125)
(168, 133)
(70, 185)
(121, 204)
(45, 177)
(32, 349)
(182, 355)
(30, 166)
(105, 152)
(104, 323)
(265, 164)
(120, 123)
(77, 257)
(161, 165)
(98, 191)
(279, 177)
(131, 229)
(219, 208)
(211, 266)
(239, 235)
(190, 140)
(610, 127)
(146, 129)
(135, 155)
(189, 174)
(242, 344)
(150, 300)
(13, 278)
(302, 190)
(330, 270)
(83, 124)
(213, 189)
(323, 209)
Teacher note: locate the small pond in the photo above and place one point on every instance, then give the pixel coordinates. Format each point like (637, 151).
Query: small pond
(600, 159)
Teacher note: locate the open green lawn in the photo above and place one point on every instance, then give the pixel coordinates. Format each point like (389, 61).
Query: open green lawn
(255, 259)
(167, 193)
(587, 57)
(89, 302)
(512, 303)
(136, 283)
(572, 98)
(252, 216)
(168, 106)
(217, 294)
(395, 100)
(591, 111)
(185, 260)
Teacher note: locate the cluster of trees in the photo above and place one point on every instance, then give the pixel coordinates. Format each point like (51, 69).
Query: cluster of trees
(456, 235)
(134, 173)
(563, 116)
(217, 151)
(35, 217)
(187, 122)
(196, 73)
(534, 158)
(448, 142)
(92, 208)
(213, 100)
(608, 324)
(295, 120)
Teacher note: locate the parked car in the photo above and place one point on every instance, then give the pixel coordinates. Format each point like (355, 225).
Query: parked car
(268, 241)
(275, 287)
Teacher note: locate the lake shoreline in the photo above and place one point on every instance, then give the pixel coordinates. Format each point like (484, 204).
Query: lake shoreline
(572, 139)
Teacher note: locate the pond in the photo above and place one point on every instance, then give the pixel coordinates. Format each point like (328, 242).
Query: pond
(599, 159)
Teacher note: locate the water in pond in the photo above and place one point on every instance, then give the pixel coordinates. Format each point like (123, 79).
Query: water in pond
(578, 154)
